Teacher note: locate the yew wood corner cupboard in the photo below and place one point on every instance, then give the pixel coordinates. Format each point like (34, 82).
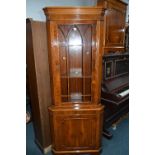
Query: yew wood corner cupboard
(75, 35)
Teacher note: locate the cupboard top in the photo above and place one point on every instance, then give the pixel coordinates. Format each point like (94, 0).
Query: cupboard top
(73, 13)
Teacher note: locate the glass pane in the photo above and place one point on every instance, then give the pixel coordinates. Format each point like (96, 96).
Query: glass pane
(75, 61)
(75, 52)
(87, 86)
(74, 37)
(64, 99)
(75, 86)
(63, 61)
(87, 50)
(64, 84)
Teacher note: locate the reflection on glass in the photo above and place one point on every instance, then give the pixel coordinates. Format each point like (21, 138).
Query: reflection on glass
(74, 37)
(75, 72)
(76, 97)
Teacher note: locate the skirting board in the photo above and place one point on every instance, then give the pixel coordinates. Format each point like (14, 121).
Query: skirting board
(44, 150)
(77, 152)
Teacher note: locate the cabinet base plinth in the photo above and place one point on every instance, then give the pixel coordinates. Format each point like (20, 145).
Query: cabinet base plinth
(90, 152)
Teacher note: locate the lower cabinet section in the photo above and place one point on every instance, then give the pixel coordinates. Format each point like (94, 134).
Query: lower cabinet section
(76, 131)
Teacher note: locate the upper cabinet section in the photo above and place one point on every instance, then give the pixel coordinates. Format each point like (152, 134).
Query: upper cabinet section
(75, 53)
(114, 21)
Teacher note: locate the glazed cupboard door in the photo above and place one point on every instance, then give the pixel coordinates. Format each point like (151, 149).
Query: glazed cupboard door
(74, 52)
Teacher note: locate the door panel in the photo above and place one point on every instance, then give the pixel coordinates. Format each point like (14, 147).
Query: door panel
(70, 128)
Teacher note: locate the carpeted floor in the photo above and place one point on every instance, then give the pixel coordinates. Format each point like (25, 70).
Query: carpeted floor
(118, 145)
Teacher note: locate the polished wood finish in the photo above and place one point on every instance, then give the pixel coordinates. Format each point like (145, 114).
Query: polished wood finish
(76, 130)
(73, 13)
(114, 25)
(39, 80)
(75, 57)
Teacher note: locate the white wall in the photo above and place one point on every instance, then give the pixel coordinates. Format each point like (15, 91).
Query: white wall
(34, 7)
